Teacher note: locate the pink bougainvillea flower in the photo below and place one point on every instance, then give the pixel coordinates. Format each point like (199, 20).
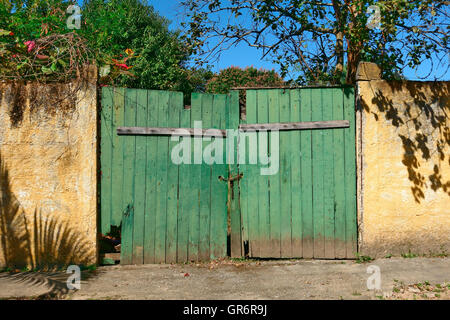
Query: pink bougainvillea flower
(123, 66)
(30, 45)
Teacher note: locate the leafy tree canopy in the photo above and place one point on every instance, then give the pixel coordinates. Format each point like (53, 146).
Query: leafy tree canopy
(323, 41)
(113, 26)
(233, 77)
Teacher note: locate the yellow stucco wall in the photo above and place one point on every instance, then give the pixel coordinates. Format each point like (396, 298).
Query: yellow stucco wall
(404, 167)
(48, 158)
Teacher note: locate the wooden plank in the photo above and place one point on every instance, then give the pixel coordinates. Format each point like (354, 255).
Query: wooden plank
(296, 194)
(235, 212)
(285, 126)
(195, 182)
(339, 175)
(243, 169)
(139, 181)
(218, 229)
(150, 181)
(157, 131)
(286, 148)
(161, 178)
(328, 175)
(284, 88)
(184, 200)
(117, 158)
(249, 189)
(128, 177)
(263, 187)
(318, 176)
(236, 229)
(175, 106)
(350, 173)
(308, 125)
(306, 177)
(274, 182)
(126, 250)
(205, 187)
(106, 158)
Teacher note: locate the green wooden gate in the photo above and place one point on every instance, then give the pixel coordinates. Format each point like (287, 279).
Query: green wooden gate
(307, 209)
(168, 212)
(178, 213)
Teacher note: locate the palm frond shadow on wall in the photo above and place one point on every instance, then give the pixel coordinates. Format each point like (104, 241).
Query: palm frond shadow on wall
(40, 241)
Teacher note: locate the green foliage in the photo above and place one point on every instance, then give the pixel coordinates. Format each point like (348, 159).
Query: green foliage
(233, 77)
(130, 42)
(409, 255)
(194, 80)
(90, 268)
(363, 259)
(113, 26)
(33, 19)
(23, 22)
(238, 77)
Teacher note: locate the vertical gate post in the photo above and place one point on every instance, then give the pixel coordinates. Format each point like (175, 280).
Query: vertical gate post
(233, 183)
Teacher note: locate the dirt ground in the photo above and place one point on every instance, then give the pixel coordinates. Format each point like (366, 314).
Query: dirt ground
(401, 278)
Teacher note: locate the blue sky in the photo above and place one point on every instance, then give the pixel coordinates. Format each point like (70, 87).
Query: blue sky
(244, 55)
(241, 56)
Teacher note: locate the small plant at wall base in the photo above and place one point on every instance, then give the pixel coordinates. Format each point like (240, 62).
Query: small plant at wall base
(409, 255)
(363, 259)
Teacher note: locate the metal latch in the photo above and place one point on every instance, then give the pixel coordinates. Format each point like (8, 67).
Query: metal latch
(231, 178)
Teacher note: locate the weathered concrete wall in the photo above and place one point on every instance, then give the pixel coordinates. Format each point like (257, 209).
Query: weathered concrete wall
(403, 167)
(48, 155)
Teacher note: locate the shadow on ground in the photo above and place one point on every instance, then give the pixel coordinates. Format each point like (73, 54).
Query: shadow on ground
(55, 283)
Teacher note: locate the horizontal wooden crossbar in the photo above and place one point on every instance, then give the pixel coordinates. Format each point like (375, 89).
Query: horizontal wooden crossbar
(153, 131)
(296, 125)
(182, 132)
(294, 87)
